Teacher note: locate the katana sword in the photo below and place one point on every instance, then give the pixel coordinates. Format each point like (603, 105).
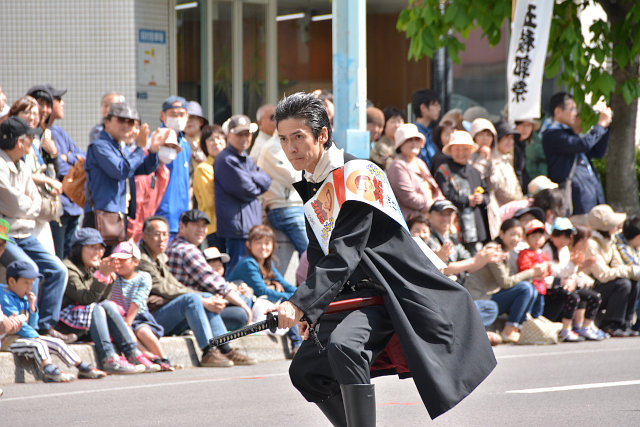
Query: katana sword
(271, 323)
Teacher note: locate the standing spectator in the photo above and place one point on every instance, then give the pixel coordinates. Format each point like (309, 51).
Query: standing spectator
(409, 176)
(109, 166)
(462, 184)
(563, 149)
(383, 150)
(176, 197)
(616, 282)
(441, 137)
(426, 107)
(189, 265)
(238, 184)
(212, 142)
(192, 131)
(267, 126)
(177, 307)
(484, 134)
(529, 160)
(48, 149)
(21, 205)
(68, 153)
(375, 123)
(105, 103)
(281, 202)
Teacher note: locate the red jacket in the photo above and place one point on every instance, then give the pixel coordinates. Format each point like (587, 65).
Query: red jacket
(527, 258)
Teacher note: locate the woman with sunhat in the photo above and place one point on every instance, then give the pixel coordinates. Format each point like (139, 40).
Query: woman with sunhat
(462, 184)
(409, 176)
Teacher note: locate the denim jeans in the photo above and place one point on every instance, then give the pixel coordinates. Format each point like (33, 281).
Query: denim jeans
(488, 311)
(234, 317)
(55, 274)
(291, 222)
(516, 301)
(235, 248)
(63, 234)
(107, 322)
(294, 335)
(187, 312)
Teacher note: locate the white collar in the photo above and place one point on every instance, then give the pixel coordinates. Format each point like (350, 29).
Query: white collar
(331, 159)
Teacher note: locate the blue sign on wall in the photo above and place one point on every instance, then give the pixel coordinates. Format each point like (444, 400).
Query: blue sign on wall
(152, 36)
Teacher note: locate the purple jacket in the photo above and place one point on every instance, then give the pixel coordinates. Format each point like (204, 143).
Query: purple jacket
(238, 183)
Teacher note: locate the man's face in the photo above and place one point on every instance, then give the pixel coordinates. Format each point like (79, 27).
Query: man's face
(194, 231)
(566, 115)
(156, 238)
(58, 108)
(119, 128)
(300, 145)
(173, 112)
(239, 141)
(442, 221)
(432, 111)
(18, 152)
(267, 122)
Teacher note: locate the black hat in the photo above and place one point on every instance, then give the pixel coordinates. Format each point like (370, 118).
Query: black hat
(194, 215)
(503, 128)
(12, 129)
(442, 205)
(57, 93)
(533, 210)
(123, 110)
(41, 92)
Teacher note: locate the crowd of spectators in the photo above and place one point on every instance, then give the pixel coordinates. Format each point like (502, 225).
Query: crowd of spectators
(155, 232)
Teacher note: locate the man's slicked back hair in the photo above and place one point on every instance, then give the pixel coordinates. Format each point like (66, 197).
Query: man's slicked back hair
(306, 107)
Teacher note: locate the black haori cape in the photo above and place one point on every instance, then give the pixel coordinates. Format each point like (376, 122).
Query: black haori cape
(437, 325)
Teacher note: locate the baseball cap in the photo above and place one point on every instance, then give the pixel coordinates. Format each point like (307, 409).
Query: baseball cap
(406, 131)
(40, 91)
(13, 128)
(563, 224)
(57, 93)
(240, 122)
(123, 110)
(535, 225)
(540, 183)
(442, 205)
(214, 253)
(602, 217)
(87, 236)
(194, 215)
(24, 269)
(4, 230)
(174, 102)
(126, 250)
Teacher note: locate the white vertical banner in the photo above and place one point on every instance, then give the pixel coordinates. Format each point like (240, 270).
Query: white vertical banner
(527, 52)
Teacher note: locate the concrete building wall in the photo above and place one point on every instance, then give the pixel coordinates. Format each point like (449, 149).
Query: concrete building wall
(87, 47)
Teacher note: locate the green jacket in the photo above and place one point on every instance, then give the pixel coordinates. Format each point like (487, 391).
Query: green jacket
(163, 283)
(82, 287)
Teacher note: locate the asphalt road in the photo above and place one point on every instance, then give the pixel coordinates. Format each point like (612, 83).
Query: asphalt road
(585, 384)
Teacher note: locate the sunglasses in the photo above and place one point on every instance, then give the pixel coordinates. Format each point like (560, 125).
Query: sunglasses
(127, 121)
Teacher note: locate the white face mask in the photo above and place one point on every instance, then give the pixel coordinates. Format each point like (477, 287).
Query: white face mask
(176, 123)
(166, 154)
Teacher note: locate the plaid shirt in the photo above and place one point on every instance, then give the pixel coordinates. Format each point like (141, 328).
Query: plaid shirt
(628, 253)
(188, 264)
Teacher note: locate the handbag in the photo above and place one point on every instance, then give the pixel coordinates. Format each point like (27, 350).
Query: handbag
(539, 331)
(112, 226)
(567, 191)
(73, 183)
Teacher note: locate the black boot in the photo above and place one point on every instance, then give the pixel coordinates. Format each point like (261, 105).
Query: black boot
(359, 404)
(333, 409)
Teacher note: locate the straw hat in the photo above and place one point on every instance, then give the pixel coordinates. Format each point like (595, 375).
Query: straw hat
(460, 137)
(407, 131)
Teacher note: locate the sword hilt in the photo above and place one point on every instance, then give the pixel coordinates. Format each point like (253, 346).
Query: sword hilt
(271, 323)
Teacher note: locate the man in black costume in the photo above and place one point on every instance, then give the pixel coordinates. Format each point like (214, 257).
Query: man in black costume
(428, 327)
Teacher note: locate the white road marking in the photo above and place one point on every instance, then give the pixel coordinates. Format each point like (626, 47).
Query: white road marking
(574, 387)
(136, 387)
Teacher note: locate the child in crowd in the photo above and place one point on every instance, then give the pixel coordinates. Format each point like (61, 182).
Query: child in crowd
(257, 270)
(216, 261)
(131, 290)
(18, 299)
(533, 255)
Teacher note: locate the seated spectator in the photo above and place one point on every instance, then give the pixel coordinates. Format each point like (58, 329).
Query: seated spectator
(188, 264)
(212, 142)
(534, 256)
(484, 134)
(105, 103)
(130, 291)
(462, 184)
(86, 308)
(383, 150)
(18, 299)
(514, 293)
(238, 184)
(9, 325)
(177, 197)
(442, 241)
(569, 298)
(409, 176)
(441, 137)
(419, 227)
(216, 261)
(628, 244)
(177, 307)
(281, 201)
(552, 203)
(616, 282)
(21, 205)
(109, 167)
(257, 270)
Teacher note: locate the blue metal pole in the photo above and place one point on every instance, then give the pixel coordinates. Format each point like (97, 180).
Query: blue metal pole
(350, 76)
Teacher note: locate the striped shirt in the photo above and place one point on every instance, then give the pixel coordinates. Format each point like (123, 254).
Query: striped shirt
(135, 290)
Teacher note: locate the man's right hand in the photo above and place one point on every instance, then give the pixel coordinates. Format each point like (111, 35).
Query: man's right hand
(605, 117)
(158, 138)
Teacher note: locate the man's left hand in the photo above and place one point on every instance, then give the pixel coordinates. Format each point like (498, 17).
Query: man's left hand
(288, 314)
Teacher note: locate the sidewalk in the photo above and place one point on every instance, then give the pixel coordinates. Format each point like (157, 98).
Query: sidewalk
(180, 350)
